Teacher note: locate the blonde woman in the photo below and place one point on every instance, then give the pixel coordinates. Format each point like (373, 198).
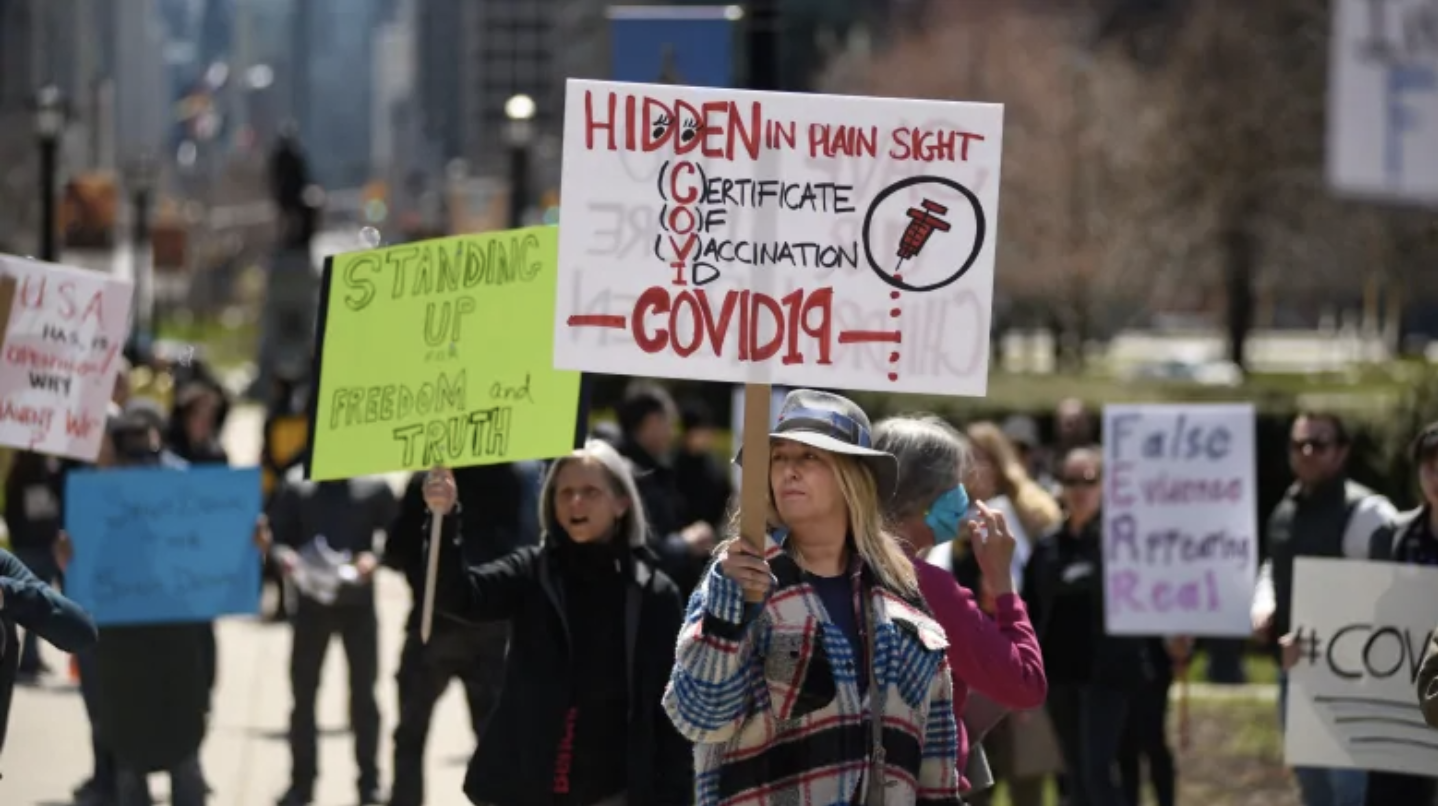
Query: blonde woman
(592, 624)
(793, 663)
(997, 471)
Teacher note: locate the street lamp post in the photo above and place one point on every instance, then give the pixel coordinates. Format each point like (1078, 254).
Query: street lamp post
(519, 109)
(140, 177)
(49, 124)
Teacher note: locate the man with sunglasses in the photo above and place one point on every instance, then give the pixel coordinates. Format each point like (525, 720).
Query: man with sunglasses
(1323, 514)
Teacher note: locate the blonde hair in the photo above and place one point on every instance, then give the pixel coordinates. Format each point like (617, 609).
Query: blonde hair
(1039, 511)
(876, 545)
(632, 526)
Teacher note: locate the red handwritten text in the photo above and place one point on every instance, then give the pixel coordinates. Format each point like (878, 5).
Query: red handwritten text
(22, 355)
(716, 129)
(687, 321)
(79, 427)
(40, 417)
(62, 298)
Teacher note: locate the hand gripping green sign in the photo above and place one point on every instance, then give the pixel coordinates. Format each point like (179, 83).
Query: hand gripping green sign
(440, 353)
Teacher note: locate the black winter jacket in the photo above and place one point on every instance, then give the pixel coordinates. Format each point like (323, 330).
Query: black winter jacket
(515, 762)
(30, 603)
(1114, 661)
(507, 494)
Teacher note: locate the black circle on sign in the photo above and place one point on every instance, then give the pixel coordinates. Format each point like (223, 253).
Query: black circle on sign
(980, 229)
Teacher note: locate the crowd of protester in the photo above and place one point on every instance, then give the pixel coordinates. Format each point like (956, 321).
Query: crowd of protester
(620, 643)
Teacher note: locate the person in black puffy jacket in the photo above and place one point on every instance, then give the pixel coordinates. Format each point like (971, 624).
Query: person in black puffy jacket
(594, 624)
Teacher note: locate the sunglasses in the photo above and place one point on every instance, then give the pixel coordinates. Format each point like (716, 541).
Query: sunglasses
(1086, 480)
(1308, 447)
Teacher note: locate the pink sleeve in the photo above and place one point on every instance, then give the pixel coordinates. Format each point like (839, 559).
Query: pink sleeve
(997, 657)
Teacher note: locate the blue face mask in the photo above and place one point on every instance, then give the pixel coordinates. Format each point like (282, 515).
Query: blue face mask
(946, 514)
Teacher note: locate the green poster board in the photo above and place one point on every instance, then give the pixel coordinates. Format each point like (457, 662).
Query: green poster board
(440, 353)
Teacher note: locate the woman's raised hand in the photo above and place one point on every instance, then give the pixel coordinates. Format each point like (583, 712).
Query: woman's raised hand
(440, 492)
(993, 546)
(744, 565)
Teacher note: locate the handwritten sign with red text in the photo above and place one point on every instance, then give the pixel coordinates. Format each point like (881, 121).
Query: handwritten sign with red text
(1180, 519)
(728, 235)
(60, 358)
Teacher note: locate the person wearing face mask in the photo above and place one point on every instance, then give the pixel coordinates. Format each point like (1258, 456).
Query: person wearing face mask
(593, 625)
(998, 657)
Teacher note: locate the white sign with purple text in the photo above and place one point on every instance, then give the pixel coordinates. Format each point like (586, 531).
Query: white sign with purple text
(1180, 519)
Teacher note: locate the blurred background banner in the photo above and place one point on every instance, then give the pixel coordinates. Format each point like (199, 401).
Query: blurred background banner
(692, 45)
(1383, 102)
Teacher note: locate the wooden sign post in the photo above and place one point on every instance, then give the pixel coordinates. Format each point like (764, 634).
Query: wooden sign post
(7, 300)
(754, 478)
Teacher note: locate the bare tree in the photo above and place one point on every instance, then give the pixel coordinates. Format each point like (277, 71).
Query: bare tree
(1239, 159)
(1071, 135)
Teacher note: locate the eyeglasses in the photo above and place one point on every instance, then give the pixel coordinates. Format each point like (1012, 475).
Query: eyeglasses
(1308, 447)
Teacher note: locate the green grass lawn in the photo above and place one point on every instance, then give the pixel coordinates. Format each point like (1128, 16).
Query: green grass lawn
(225, 343)
(1363, 388)
(1257, 668)
(1234, 758)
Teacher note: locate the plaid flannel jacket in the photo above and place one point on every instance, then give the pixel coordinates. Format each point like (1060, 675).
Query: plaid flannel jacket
(772, 701)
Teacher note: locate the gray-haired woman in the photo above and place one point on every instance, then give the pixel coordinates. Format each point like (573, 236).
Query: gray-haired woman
(999, 656)
(593, 626)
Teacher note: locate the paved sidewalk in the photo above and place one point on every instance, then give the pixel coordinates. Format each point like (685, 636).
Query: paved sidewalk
(246, 757)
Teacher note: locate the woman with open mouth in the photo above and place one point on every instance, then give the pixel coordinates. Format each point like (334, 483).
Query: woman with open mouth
(593, 625)
(814, 673)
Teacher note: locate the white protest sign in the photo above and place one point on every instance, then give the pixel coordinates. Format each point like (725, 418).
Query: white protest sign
(61, 356)
(716, 234)
(1383, 99)
(1362, 628)
(1180, 519)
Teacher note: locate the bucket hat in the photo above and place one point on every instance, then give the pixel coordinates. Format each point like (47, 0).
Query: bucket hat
(835, 424)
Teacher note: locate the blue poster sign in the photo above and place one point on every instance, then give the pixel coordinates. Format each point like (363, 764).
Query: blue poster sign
(691, 45)
(163, 546)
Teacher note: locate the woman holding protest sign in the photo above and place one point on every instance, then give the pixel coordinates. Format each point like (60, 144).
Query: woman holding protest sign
(830, 684)
(593, 624)
(997, 654)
